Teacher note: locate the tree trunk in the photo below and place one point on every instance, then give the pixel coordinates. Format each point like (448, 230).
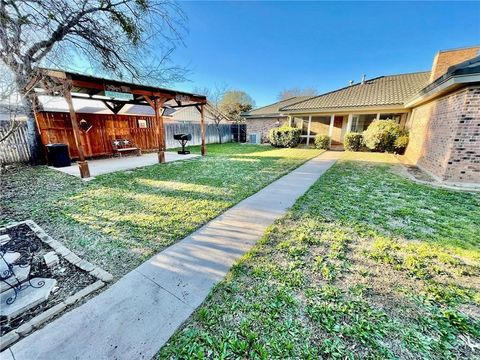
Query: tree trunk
(219, 134)
(37, 156)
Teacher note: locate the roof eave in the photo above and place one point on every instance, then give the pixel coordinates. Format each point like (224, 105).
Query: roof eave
(447, 85)
(263, 116)
(346, 109)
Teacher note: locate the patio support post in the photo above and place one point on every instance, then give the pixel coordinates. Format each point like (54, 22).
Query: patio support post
(202, 129)
(308, 129)
(330, 128)
(378, 116)
(157, 105)
(82, 163)
(160, 130)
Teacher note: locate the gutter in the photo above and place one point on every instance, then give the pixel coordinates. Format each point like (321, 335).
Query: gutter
(445, 85)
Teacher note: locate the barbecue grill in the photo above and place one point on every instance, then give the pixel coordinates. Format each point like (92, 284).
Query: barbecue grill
(183, 139)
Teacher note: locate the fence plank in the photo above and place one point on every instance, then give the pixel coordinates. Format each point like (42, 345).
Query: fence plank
(15, 148)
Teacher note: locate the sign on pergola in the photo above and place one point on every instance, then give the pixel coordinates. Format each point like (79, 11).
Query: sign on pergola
(115, 95)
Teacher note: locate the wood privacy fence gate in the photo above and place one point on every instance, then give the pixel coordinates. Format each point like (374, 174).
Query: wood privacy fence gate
(101, 129)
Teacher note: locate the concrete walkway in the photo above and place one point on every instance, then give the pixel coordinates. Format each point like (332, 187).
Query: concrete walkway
(136, 316)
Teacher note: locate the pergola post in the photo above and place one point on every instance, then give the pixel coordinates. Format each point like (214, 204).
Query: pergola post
(82, 163)
(157, 105)
(160, 130)
(202, 129)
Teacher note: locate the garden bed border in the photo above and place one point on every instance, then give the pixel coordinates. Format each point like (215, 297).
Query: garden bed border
(101, 275)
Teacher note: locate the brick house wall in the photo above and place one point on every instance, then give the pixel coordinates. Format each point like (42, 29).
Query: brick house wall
(445, 136)
(262, 126)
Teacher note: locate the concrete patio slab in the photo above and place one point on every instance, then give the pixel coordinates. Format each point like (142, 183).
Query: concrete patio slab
(106, 166)
(136, 316)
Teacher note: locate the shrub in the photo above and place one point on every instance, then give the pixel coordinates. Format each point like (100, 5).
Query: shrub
(285, 136)
(401, 143)
(353, 141)
(381, 135)
(322, 141)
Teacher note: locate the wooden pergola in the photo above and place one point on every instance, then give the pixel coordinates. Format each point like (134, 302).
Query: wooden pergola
(115, 95)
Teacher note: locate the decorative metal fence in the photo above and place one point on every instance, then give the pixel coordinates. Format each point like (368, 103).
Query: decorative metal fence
(15, 147)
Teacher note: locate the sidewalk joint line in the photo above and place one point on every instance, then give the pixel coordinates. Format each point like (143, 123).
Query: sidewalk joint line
(160, 286)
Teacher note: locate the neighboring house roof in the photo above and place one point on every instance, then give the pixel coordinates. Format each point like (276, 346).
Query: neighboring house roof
(272, 110)
(380, 91)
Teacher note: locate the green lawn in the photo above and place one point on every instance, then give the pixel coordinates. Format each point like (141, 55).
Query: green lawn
(117, 220)
(367, 264)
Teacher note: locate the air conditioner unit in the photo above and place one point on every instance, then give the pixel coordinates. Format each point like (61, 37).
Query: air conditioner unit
(254, 138)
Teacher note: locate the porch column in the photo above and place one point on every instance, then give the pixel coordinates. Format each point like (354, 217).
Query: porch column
(378, 117)
(330, 128)
(289, 121)
(202, 129)
(308, 129)
(349, 123)
(82, 163)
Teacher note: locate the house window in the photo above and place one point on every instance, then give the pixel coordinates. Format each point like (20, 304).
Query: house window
(361, 122)
(320, 125)
(301, 123)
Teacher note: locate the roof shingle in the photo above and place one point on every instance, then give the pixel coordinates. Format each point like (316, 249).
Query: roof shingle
(384, 90)
(273, 109)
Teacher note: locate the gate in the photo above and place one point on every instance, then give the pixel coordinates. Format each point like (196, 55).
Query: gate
(239, 133)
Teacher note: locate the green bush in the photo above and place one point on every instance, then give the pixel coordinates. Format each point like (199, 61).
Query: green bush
(322, 141)
(401, 143)
(381, 135)
(285, 137)
(353, 141)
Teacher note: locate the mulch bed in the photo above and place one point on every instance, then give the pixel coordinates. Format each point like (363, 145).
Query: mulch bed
(70, 278)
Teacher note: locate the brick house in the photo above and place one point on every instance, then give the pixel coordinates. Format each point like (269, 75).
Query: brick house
(261, 120)
(441, 108)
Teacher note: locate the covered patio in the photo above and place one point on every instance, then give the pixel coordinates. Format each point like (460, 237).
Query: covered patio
(109, 165)
(93, 137)
(337, 124)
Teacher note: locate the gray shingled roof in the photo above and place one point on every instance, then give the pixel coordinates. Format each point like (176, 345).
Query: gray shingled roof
(384, 90)
(273, 109)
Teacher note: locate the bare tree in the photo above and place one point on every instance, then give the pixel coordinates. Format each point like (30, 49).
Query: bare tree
(293, 92)
(113, 36)
(214, 96)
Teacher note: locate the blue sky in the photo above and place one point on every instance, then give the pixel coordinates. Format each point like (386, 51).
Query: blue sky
(264, 47)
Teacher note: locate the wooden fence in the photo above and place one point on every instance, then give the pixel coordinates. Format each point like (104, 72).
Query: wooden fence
(56, 128)
(15, 147)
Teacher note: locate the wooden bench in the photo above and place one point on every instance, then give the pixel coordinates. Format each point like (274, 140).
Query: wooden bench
(122, 146)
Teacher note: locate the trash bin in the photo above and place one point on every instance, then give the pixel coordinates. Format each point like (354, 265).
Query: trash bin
(57, 155)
